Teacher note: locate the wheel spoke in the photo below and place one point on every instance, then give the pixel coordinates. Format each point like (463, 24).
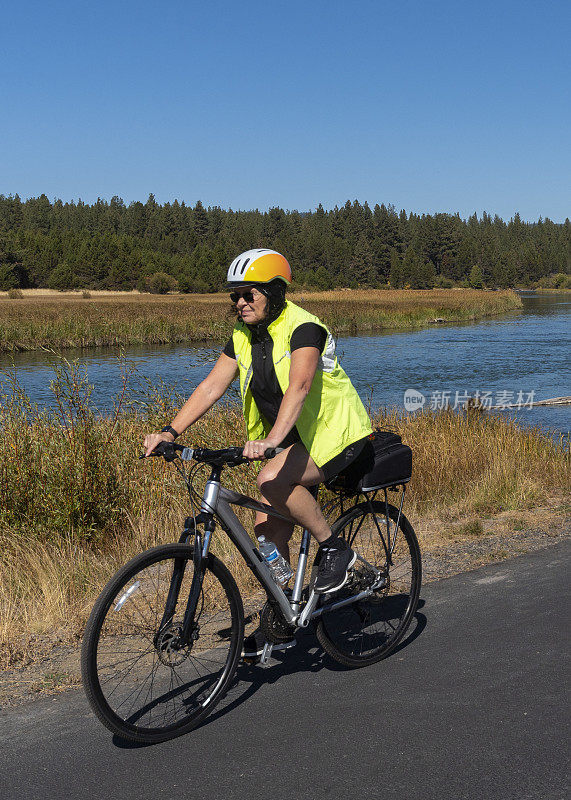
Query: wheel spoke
(366, 632)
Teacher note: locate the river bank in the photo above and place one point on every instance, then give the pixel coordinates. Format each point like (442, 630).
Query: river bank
(68, 320)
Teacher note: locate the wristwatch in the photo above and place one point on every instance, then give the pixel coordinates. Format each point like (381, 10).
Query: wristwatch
(170, 429)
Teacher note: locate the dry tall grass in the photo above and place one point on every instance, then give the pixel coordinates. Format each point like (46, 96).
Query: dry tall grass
(38, 321)
(75, 502)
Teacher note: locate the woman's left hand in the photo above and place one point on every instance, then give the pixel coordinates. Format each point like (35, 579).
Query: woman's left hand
(255, 450)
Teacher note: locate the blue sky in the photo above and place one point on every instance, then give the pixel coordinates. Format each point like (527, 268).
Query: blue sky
(431, 106)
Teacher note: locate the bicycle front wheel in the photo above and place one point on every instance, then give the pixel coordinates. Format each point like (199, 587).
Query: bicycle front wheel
(368, 630)
(141, 680)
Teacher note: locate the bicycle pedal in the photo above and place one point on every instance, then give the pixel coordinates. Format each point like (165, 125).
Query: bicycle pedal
(266, 653)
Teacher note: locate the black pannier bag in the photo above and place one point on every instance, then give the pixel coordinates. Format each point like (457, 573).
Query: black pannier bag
(392, 466)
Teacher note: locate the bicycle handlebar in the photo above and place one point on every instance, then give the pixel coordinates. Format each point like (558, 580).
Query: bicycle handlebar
(228, 456)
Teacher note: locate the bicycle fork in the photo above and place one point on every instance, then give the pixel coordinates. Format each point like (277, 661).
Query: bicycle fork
(189, 631)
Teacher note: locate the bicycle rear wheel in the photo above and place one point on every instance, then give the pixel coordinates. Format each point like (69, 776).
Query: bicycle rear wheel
(367, 631)
(140, 680)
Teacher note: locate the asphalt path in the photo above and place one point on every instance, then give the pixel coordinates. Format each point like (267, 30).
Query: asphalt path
(471, 706)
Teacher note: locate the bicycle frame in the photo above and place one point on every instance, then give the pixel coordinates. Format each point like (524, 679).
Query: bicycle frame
(216, 505)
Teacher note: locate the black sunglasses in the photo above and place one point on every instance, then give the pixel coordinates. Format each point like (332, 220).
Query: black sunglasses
(248, 296)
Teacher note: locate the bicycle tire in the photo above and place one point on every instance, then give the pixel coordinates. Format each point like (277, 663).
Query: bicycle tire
(365, 632)
(138, 684)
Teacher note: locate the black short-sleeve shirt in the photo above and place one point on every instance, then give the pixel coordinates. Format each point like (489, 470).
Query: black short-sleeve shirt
(264, 384)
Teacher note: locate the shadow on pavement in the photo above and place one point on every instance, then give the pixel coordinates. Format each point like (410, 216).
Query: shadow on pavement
(306, 656)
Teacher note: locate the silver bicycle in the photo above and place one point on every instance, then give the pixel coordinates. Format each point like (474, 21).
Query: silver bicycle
(164, 638)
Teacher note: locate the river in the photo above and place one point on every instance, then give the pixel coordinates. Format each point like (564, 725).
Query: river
(518, 357)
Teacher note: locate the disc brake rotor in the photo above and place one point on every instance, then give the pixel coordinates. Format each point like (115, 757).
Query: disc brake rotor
(170, 651)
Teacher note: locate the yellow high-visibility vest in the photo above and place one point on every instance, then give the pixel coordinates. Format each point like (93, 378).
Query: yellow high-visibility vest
(332, 416)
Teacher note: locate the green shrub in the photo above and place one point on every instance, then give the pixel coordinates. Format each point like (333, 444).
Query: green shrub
(556, 280)
(440, 282)
(161, 283)
(184, 284)
(562, 281)
(62, 277)
(192, 285)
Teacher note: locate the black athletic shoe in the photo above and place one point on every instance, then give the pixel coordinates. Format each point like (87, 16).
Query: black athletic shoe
(333, 563)
(254, 644)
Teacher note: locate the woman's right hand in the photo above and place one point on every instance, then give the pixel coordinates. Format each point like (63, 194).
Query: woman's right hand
(153, 439)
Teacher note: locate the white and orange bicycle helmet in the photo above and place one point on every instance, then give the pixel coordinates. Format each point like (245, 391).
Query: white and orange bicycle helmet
(258, 266)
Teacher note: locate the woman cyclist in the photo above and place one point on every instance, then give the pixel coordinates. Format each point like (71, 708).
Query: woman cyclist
(295, 396)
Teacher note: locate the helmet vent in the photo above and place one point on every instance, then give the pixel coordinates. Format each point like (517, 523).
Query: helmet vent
(262, 264)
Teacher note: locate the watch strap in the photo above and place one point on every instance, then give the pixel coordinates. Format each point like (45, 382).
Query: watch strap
(170, 429)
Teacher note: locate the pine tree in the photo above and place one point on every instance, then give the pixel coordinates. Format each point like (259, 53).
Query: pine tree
(200, 221)
(396, 276)
(37, 213)
(273, 224)
(411, 266)
(362, 266)
(62, 277)
(12, 272)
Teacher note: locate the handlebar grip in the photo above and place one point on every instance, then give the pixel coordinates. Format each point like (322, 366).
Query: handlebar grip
(273, 451)
(165, 449)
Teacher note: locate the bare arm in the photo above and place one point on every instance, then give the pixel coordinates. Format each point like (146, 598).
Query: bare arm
(204, 396)
(301, 373)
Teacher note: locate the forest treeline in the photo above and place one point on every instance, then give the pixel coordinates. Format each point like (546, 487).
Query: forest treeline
(154, 247)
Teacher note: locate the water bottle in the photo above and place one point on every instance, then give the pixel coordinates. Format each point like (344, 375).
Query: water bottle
(281, 570)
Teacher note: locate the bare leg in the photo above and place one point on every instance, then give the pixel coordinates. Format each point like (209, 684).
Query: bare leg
(283, 482)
